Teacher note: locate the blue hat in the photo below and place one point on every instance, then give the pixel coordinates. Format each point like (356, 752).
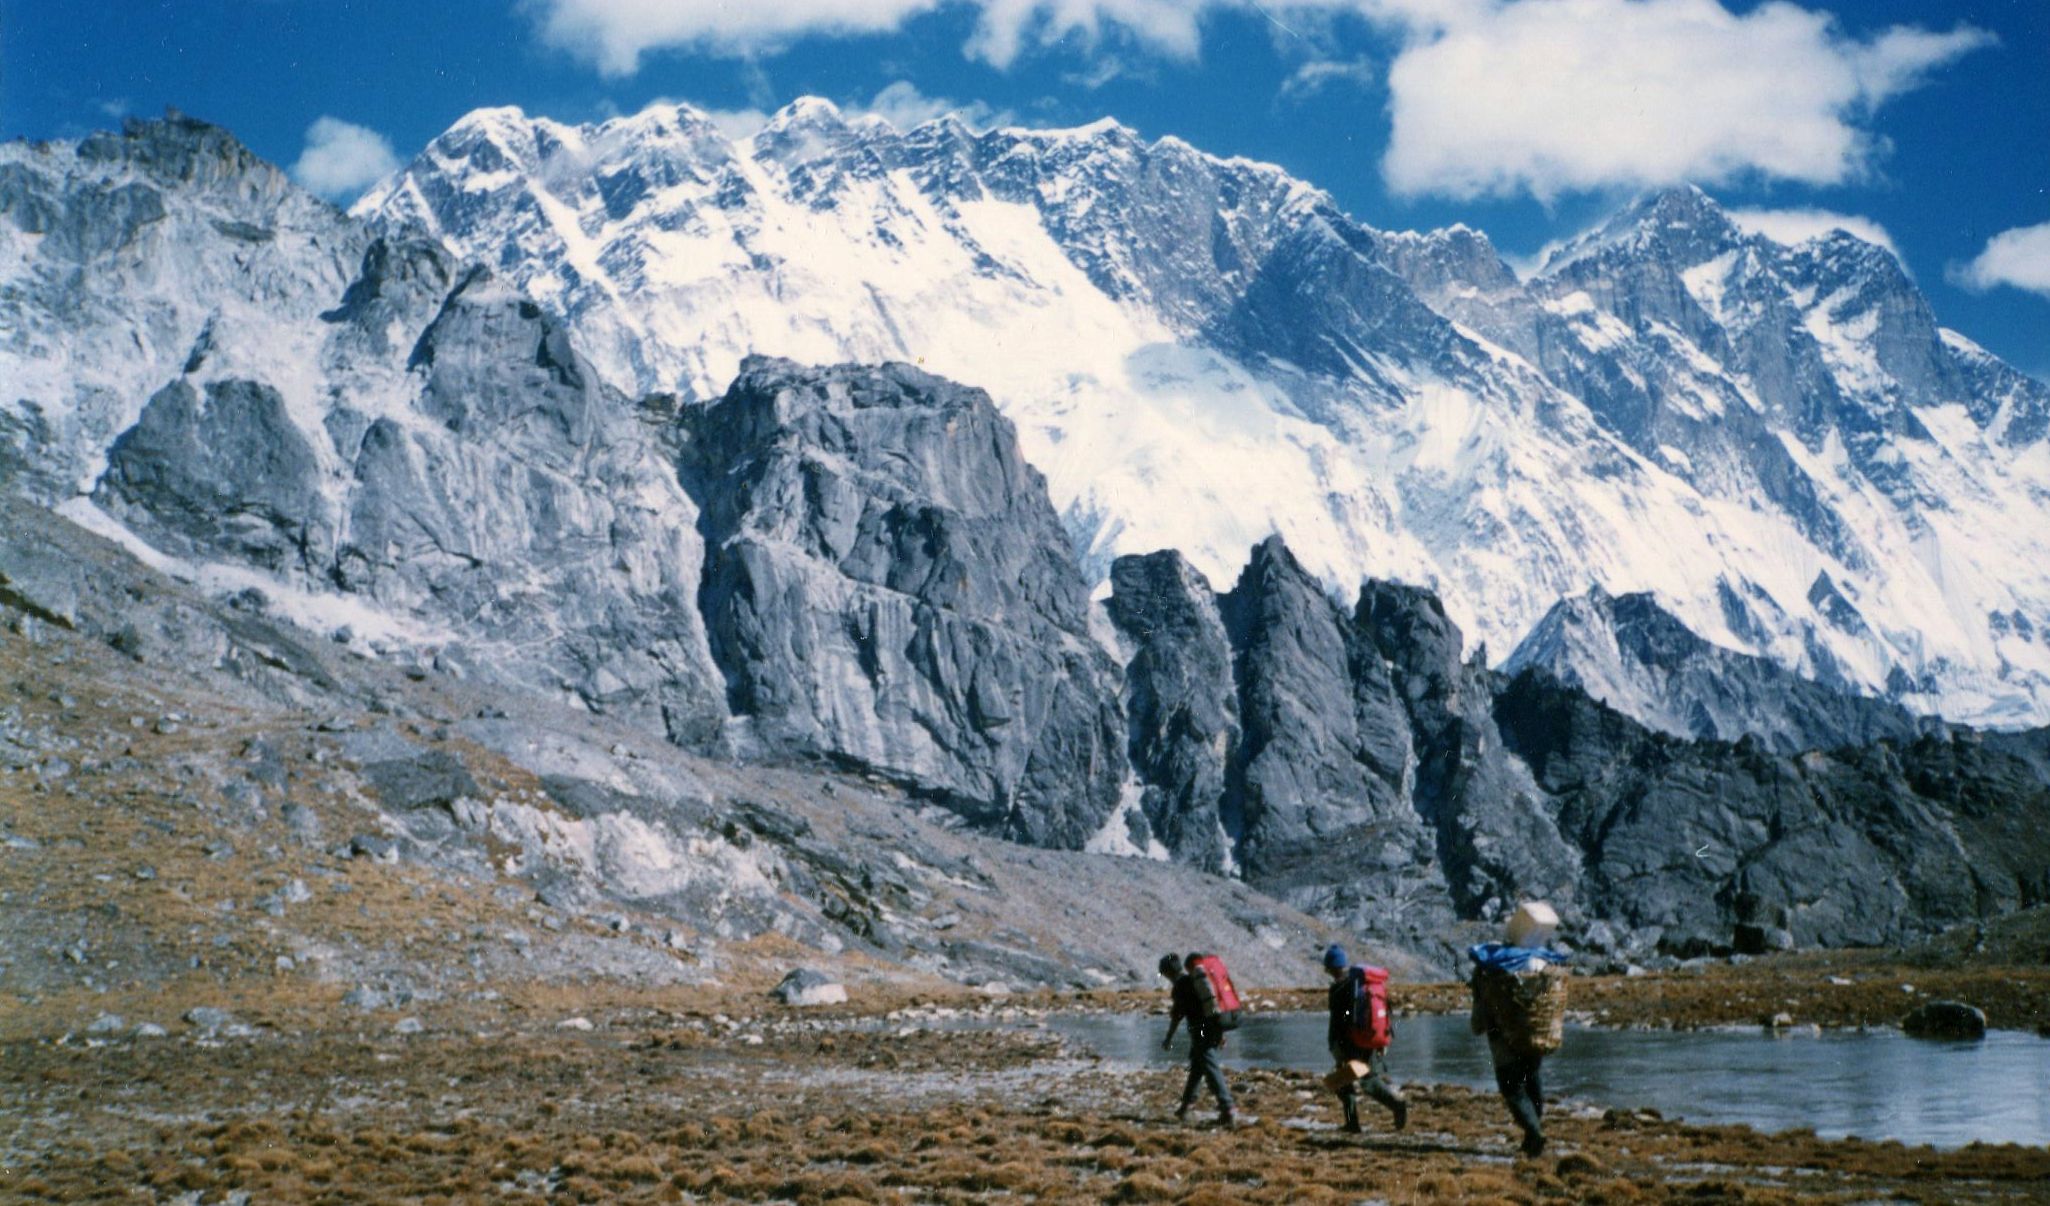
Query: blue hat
(1335, 958)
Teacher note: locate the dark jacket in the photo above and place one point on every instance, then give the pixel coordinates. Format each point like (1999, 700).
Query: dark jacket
(1188, 1007)
(1341, 1014)
(1481, 1021)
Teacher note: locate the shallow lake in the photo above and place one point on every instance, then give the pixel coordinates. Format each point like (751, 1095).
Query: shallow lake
(1876, 1085)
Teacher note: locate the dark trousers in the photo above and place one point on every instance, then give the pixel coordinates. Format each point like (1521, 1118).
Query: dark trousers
(1374, 1084)
(1517, 1076)
(1206, 1067)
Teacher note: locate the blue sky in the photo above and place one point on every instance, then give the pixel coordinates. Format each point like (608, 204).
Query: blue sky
(1528, 119)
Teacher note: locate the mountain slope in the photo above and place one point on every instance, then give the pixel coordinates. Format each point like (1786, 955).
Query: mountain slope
(1634, 656)
(856, 566)
(1778, 442)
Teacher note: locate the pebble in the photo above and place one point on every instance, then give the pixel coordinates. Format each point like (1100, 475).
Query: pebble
(206, 1017)
(107, 1023)
(408, 1026)
(574, 1024)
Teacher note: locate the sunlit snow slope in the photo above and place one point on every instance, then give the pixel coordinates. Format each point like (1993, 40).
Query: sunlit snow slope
(1778, 442)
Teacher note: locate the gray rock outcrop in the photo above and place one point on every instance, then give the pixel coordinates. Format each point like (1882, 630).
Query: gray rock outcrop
(1181, 703)
(1377, 776)
(1867, 845)
(887, 584)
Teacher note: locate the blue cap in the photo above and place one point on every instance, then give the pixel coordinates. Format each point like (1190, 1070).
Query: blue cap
(1335, 958)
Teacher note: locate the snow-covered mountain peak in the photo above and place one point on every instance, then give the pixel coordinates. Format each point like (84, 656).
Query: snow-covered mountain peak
(1682, 222)
(1200, 351)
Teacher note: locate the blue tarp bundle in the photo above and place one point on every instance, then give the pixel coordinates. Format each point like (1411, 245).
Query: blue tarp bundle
(1512, 959)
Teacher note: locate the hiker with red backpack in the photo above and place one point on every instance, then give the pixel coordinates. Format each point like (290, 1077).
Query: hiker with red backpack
(1361, 1029)
(1205, 997)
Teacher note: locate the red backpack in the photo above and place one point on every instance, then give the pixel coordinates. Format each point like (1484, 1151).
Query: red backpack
(1216, 995)
(1369, 1027)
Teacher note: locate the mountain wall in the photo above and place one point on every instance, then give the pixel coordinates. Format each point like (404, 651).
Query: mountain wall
(1780, 443)
(1356, 764)
(381, 441)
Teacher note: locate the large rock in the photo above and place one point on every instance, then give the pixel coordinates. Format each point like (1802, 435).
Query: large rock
(1323, 757)
(886, 584)
(1946, 1020)
(533, 513)
(223, 473)
(1181, 702)
(1496, 830)
(254, 382)
(807, 987)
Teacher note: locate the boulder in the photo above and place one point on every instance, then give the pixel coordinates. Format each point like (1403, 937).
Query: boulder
(208, 1018)
(807, 987)
(1946, 1020)
(886, 584)
(1750, 938)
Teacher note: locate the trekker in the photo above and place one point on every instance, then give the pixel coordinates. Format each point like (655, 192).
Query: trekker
(1358, 1037)
(1519, 1002)
(1206, 1032)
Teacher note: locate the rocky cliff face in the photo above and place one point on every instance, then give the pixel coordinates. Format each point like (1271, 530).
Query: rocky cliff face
(1858, 846)
(1344, 760)
(1636, 657)
(886, 583)
(1375, 776)
(1199, 351)
(1181, 704)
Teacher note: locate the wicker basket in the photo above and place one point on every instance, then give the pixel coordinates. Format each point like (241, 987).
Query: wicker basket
(1528, 1008)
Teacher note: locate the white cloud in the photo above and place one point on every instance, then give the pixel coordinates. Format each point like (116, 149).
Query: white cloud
(1315, 76)
(1487, 97)
(1170, 27)
(737, 124)
(1557, 96)
(1794, 226)
(904, 106)
(613, 34)
(2018, 257)
(342, 159)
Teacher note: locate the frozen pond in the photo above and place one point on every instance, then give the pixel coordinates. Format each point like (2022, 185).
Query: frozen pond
(1876, 1085)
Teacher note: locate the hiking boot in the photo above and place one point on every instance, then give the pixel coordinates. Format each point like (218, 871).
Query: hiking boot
(1534, 1143)
(1227, 1119)
(1401, 1115)
(1351, 1127)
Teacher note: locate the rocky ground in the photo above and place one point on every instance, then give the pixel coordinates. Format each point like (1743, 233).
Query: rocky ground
(665, 1100)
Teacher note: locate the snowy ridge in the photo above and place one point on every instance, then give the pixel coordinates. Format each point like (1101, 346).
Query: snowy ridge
(1200, 351)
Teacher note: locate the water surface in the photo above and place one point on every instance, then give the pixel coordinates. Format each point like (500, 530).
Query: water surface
(1876, 1085)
